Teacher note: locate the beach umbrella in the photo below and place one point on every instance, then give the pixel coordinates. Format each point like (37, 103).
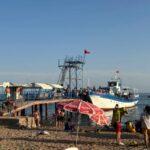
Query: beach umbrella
(83, 107)
(96, 114)
(100, 119)
(61, 105)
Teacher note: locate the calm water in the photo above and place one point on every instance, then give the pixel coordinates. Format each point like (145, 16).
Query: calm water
(133, 114)
(51, 110)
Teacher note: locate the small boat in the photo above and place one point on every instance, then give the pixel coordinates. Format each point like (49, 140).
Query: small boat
(107, 98)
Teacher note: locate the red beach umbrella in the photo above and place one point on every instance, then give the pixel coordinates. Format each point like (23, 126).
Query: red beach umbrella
(100, 119)
(83, 107)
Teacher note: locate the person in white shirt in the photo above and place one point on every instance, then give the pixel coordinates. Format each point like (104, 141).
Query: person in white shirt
(145, 123)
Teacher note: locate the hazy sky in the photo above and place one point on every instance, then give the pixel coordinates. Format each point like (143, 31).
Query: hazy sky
(34, 34)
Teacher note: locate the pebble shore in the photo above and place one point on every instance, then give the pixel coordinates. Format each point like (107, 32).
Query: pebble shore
(26, 139)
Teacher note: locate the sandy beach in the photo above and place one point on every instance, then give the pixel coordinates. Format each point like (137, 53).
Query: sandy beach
(26, 139)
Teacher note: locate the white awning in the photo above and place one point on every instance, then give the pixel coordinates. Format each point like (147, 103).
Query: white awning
(28, 85)
(38, 85)
(5, 84)
(44, 86)
(57, 86)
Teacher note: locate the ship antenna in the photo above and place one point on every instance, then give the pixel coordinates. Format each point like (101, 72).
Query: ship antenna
(117, 76)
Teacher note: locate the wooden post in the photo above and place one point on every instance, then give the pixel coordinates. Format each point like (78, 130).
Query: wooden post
(46, 111)
(56, 113)
(55, 108)
(15, 114)
(19, 113)
(23, 112)
(35, 107)
(32, 110)
(41, 112)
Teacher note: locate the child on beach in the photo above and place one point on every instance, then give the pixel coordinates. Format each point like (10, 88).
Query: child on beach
(116, 122)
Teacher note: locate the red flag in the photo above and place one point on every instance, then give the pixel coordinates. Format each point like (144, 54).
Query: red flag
(86, 51)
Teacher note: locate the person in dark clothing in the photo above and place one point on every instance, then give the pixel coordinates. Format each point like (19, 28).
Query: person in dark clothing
(69, 126)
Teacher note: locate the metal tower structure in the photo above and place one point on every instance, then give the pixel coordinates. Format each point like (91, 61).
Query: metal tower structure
(71, 75)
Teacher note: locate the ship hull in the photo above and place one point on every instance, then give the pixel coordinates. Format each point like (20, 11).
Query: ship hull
(108, 102)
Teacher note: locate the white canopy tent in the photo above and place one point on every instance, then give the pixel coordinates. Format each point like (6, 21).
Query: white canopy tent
(39, 85)
(56, 86)
(44, 86)
(28, 85)
(5, 84)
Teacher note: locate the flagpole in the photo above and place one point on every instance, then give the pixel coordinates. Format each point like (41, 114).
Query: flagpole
(83, 69)
(84, 55)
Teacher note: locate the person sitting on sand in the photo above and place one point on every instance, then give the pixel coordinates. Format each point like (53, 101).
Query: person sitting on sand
(36, 116)
(145, 122)
(69, 126)
(116, 122)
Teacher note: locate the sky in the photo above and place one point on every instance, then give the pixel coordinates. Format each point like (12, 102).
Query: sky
(34, 34)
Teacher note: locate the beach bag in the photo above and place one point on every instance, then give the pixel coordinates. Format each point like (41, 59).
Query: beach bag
(131, 127)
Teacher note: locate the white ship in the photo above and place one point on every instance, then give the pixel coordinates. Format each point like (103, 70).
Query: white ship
(115, 94)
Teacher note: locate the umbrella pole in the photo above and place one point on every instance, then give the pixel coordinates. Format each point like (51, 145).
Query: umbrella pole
(78, 127)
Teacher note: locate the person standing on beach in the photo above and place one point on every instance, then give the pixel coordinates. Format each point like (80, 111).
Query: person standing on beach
(60, 117)
(7, 91)
(116, 122)
(36, 116)
(145, 122)
(18, 93)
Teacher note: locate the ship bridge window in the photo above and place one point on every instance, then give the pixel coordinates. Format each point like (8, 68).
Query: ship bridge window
(111, 84)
